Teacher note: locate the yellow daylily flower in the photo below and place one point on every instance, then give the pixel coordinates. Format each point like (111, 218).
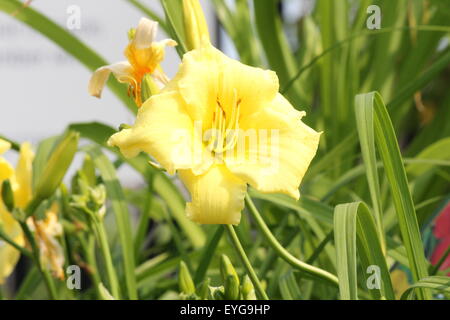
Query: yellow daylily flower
(47, 231)
(222, 125)
(20, 179)
(144, 56)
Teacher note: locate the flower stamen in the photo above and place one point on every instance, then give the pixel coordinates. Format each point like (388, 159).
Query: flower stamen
(224, 132)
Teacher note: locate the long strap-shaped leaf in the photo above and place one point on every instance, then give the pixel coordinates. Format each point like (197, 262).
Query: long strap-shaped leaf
(66, 41)
(438, 283)
(117, 196)
(276, 47)
(389, 151)
(352, 222)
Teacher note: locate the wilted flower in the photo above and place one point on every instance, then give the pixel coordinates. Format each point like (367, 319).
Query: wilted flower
(144, 56)
(46, 231)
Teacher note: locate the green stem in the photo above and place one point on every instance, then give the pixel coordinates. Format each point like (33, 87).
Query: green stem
(207, 255)
(282, 252)
(36, 255)
(7, 239)
(104, 247)
(248, 266)
(88, 247)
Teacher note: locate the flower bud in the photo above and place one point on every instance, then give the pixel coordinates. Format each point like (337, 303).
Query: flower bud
(131, 34)
(148, 87)
(185, 280)
(8, 195)
(98, 195)
(247, 289)
(231, 288)
(203, 290)
(227, 269)
(57, 166)
(197, 33)
(218, 293)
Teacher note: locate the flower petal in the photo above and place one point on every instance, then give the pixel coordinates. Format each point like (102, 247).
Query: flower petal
(274, 149)
(4, 146)
(217, 196)
(206, 75)
(6, 170)
(23, 176)
(164, 130)
(145, 33)
(9, 256)
(122, 70)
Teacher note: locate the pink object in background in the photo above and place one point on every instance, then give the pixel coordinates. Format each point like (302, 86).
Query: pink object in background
(442, 232)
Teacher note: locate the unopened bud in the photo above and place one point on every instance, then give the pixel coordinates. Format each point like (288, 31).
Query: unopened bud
(185, 280)
(248, 290)
(203, 290)
(8, 195)
(57, 166)
(148, 87)
(227, 269)
(197, 34)
(231, 288)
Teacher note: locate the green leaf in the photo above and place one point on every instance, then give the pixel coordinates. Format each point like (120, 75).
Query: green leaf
(352, 222)
(208, 253)
(43, 151)
(439, 150)
(438, 283)
(389, 151)
(306, 207)
(57, 165)
(364, 123)
(120, 207)
(289, 288)
(276, 46)
(173, 10)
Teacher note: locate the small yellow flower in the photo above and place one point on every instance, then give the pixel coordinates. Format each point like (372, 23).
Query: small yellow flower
(144, 56)
(20, 179)
(47, 231)
(222, 125)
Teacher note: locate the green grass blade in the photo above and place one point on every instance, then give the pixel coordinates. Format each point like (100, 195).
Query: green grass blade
(345, 242)
(364, 123)
(173, 10)
(439, 150)
(438, 283)
(276, 47)
(389, 151)
(42, 154)
(354, 228)
(120, 207)
(207, 255)
(289, 288)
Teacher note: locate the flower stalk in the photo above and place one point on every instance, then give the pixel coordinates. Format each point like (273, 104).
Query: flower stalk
(282, 252)
(248, 266)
